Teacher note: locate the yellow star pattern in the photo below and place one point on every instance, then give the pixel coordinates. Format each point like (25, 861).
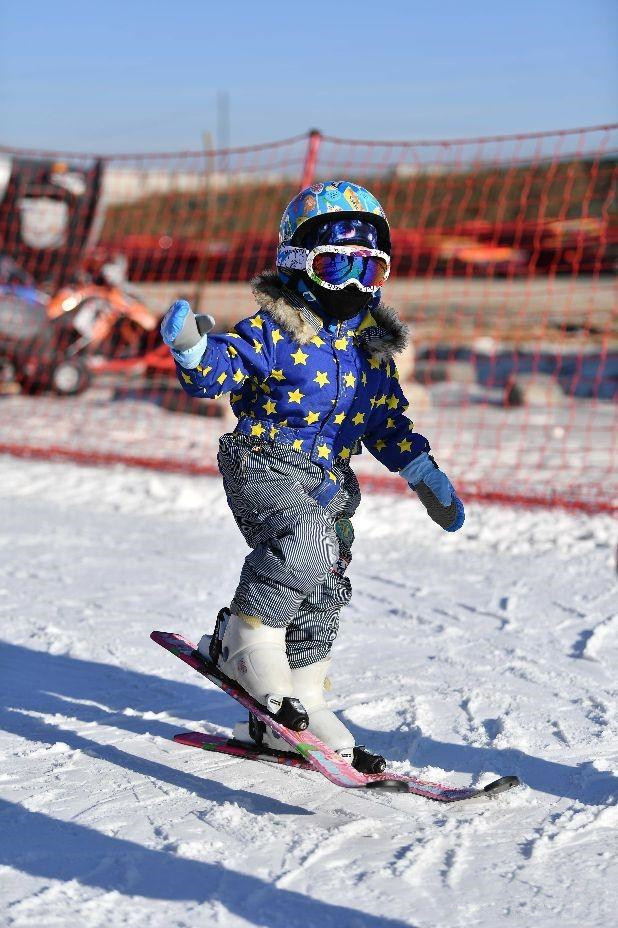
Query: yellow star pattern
(204, 370)
(352, 380)
(300, 357)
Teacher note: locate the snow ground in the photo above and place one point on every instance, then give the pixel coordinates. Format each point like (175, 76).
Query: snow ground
(492, 651)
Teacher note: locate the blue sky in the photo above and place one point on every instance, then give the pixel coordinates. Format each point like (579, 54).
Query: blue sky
(135, 75)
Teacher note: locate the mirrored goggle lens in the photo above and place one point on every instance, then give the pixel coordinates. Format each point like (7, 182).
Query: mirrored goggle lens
(338, 269)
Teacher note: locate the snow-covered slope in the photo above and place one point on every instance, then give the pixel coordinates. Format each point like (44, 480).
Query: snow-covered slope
(488, 652)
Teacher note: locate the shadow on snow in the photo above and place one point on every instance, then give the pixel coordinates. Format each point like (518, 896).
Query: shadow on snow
(100, 693)
(582, 783)
(38, 682)
(116, 865)
(40, 845)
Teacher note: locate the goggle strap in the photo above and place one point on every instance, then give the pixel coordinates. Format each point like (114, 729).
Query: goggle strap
(292, 258)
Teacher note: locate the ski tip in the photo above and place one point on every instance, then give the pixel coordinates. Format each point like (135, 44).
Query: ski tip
(165, 638)
(393, 786)
(500, 786)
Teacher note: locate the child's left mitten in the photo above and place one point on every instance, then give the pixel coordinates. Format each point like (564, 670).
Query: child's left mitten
(435, 492)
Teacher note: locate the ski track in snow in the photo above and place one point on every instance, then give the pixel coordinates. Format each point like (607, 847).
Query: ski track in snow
(464, 657)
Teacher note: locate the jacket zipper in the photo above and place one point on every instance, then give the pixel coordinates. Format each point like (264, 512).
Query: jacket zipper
(338, 394)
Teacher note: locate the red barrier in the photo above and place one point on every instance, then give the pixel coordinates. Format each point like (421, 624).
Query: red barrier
(503, 254)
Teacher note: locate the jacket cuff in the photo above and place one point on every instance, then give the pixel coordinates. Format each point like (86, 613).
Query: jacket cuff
(191, 357)
(417, 469)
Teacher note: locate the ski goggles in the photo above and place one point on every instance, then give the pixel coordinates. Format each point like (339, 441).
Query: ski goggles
(338, 266)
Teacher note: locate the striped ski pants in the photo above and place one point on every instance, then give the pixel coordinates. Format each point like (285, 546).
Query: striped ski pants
(294, 575)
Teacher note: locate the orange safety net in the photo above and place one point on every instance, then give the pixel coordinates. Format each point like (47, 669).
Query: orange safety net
(504, 251)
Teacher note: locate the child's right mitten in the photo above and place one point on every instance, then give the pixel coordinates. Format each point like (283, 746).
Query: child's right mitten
(186, 334)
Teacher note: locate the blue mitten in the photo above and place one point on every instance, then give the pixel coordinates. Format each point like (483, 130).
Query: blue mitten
(186, 334)
(435, 492)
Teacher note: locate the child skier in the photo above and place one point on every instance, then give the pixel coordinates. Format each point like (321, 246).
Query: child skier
(312, 377)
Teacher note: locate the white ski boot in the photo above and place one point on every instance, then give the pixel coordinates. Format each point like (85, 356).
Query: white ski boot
(253, 655)
(309, 686)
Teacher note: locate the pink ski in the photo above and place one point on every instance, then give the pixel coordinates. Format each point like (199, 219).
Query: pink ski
(221, 744)
(316, 754)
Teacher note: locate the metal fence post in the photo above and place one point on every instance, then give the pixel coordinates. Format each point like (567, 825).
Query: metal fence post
(311, 157)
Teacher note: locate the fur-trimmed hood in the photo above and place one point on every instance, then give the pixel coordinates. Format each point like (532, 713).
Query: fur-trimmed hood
(381, 333)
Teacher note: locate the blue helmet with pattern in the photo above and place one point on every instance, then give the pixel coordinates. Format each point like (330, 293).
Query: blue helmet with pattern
(320, 202)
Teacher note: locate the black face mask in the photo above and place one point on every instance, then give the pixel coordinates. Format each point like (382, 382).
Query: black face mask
(340, 304)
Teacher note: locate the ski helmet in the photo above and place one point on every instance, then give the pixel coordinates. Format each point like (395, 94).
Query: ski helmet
(324, 201)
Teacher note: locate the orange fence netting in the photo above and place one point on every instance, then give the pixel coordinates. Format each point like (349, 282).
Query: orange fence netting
(504, 254)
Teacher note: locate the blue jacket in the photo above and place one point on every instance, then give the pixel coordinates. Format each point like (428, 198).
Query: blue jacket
(295, 382)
